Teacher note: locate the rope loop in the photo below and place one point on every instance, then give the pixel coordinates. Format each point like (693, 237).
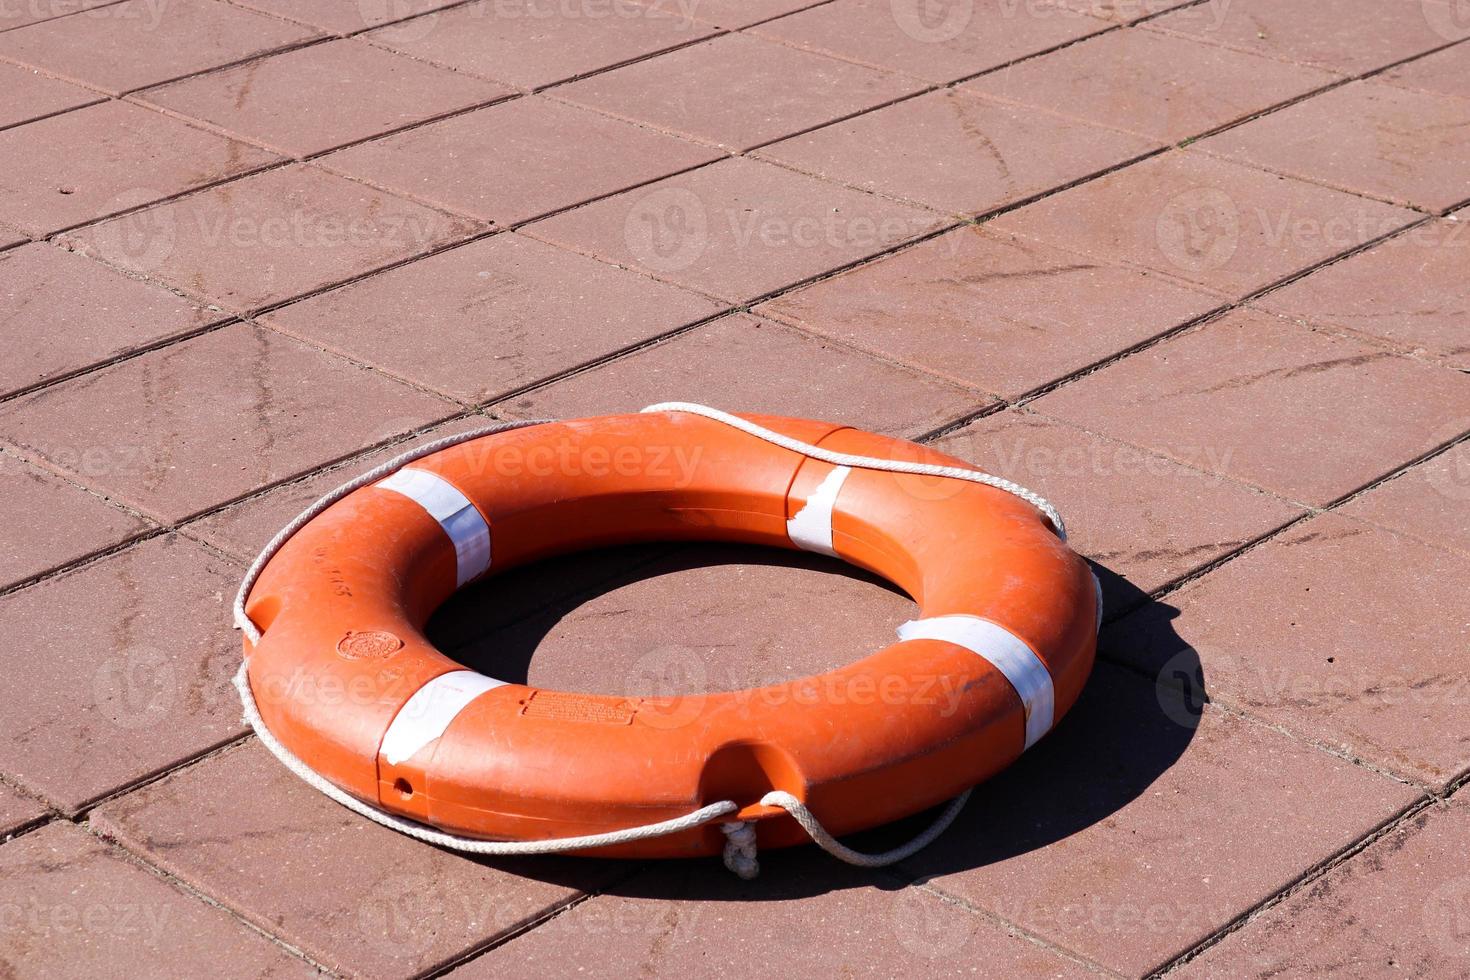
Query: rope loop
(740, 849)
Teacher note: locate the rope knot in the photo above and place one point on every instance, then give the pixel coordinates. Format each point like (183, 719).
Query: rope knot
(740, 849)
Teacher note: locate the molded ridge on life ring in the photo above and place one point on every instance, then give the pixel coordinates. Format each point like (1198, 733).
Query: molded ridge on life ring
(344, 677)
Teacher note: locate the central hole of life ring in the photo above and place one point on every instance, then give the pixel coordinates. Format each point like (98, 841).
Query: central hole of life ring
(670, 620)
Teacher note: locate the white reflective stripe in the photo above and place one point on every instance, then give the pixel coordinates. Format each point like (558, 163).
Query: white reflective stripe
(1010, 655)
(811, 528)
(426, 715)
(1097, 589)
(454, 512)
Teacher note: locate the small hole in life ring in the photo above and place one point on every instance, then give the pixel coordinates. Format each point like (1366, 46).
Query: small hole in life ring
(404, 788)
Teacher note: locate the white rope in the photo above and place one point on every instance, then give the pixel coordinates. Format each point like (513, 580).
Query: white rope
(869, 462)
(740, 842)
(740, 836)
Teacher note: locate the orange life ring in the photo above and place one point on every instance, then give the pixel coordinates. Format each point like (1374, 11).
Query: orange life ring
(345, 679)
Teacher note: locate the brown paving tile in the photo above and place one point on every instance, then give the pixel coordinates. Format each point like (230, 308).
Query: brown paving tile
(1146, 520)
(936, 45)
(492, 316)
(1302, 413)
(686, 916)
(1351, 36)
(245, 831)
(1149, 83)
(107, 158)
(244, 528)
(1397, 909)
(955, 152)
(508, 163)
(16, 811)
(737, 229)
(757, 366)
(76, 907)
(1143, 824)
(685, 625)
(1210, 221)
(732, 13)
(1000, 313)
(736, 91)
(1122, 11)
(118, 670)
(275, 409)
(1409, 147)
(1442, 73)
(1338, 631)
(1431, 501)
(31, 95)
(9, 238)
(35, 11)
(60, 312)
(323, 96)
(1412, 290)
(143, 42)
(529, 44)
(50, 522)
(344, 16)
(270, 237)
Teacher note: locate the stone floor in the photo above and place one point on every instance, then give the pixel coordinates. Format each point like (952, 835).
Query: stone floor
(1192, 269)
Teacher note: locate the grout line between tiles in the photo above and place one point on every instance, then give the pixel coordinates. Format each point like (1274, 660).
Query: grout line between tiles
(898, 873)
(1284, 60)
(70, 13)
(1317, 871)
(534, 921)
(1106, 27)
(122, 852)
(994, 212)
